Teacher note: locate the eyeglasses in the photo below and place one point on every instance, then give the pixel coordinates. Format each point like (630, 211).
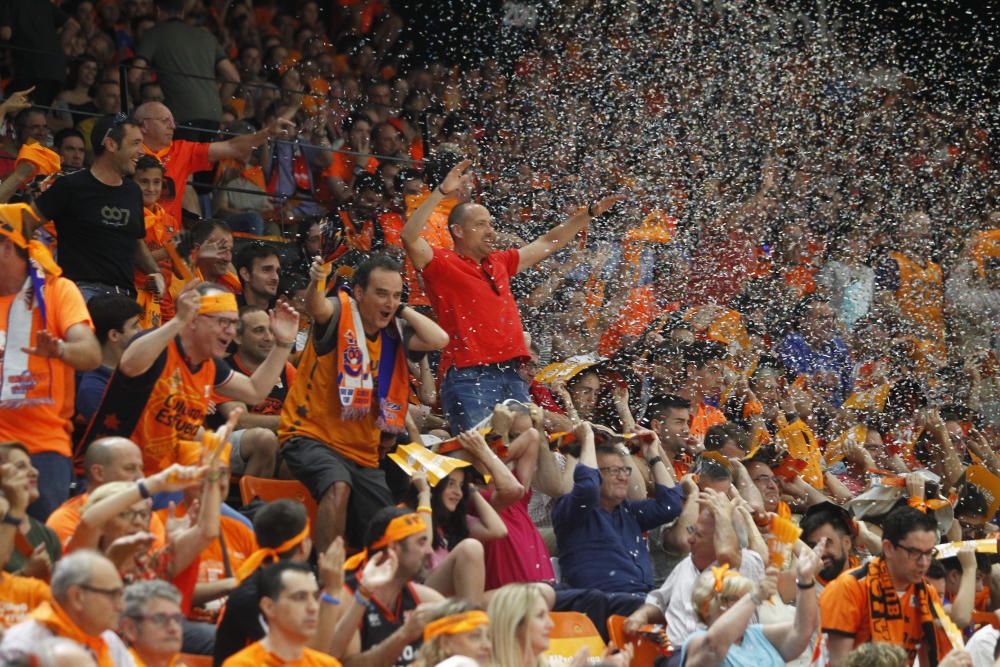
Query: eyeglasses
(917, 554)
(617, 471)
(132, 515)
(224, 322)
(765, 479)
(112, 593)
(162, 119)
(160, 618)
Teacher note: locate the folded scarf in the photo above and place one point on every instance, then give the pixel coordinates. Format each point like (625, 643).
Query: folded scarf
(55, 618)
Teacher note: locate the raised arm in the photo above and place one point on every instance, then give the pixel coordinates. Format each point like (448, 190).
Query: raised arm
(418, 250)
(255, 388)
(239, 148)
(559, 236)
(711, 648)
(142, 352)
(792, 640)
(508, 489)
(427, 335)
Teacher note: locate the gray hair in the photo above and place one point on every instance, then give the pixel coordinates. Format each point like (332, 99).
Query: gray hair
(73, 570)
(139, 594)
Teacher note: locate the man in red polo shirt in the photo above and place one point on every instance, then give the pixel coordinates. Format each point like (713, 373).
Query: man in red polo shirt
(182, 158)
(469, 289)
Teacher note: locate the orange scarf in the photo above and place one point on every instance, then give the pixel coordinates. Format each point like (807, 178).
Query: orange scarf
(354, 371)
(54, 617)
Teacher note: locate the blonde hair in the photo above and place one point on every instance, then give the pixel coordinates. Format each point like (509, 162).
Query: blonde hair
(433, 652)
(707, 600)
(877, 654)
(509, 608)
(106, 491)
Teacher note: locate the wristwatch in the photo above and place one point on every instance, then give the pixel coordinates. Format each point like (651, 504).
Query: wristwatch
(12, 521)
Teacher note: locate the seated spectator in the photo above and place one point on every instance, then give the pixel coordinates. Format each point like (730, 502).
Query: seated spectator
(46, 352)
(152, 623)
(36, 546)
(116, 323)
(107, 460)
(726, 603)
(75, 99)
(258, 267)
(389, 626)
(457, 628)
(282, 530)
(600, 532)
(290, 606)
(713, 542)
(338, 178)
(107, 102)
(212, 254)
(72, 151)
(85, 608)
(908, 544)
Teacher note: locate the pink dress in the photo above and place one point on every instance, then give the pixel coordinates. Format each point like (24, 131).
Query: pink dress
(521, 556)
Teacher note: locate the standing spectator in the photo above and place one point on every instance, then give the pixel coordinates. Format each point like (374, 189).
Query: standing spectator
(847, 281)
(107, 101)
(98, 215)
(814, 349)
(181, 157)
(32, 27)
(39, 354)
(702, 384)
(469, 289)
(75, 99)
(85, 608)
(336, 413)
(187, 60)
(72, 149)
(116, 323)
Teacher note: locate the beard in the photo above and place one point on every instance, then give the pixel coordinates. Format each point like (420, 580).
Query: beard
(832, 571)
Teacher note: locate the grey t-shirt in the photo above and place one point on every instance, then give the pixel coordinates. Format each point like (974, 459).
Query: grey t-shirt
(175, 48)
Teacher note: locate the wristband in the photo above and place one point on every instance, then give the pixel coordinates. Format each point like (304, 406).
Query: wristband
(143, 491)
(12, 520)
(805, 587)
(329, 599)
(62, 348)
(424, 509)
(653, 461)
(361, 599)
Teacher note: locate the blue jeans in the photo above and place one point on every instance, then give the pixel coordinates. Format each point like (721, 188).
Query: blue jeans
(55, 472)
(468, 395)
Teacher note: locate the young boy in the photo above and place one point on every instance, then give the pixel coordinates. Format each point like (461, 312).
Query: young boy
(160, 228)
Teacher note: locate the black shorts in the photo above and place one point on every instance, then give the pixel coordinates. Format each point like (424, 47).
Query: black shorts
(318, 467)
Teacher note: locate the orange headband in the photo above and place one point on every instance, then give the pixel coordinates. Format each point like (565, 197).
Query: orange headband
(12, 227)
(222, 302)
(256, 559)
(456, 624)
(924, 505)
(398, 529)
(721, 574)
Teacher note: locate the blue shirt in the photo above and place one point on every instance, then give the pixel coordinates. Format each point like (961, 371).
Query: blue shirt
(606, 550)
(90, 388)
(754, 651)
(799, 358)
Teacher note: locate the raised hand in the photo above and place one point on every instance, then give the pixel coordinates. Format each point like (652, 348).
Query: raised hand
(455, 179)
(808, 561)
(176, 478)
(502, 419)
(473, 442)
(602, 206)
(284, 324)
(318, 270)
(420, 482)
(188, 302)
(380, 569)
(17, 101)
(331, 566)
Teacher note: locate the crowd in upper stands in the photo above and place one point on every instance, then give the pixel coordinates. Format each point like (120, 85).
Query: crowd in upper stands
(321, 344)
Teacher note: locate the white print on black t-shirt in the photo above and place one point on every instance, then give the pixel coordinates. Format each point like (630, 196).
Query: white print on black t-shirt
(112, 216)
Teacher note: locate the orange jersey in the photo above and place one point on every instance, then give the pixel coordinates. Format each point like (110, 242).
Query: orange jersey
(312, 408)
(256, 655)
(160, 408)
(705, 418)
(921, 294)
(18, 596)
(37, 393)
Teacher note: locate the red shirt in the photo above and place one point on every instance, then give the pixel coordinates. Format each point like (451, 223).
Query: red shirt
(474, 304)
(180, 160)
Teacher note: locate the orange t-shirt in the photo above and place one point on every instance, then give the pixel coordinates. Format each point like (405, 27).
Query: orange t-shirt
(18, 596)
(844, 610)
(705, 418)
(343, 166)
(37, 394)
(312, 407)
(256, 655)
(64, 520)
(180, 159)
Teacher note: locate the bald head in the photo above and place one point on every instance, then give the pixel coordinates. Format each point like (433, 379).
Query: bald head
(471, 226)
(112, 459)
(157, 124)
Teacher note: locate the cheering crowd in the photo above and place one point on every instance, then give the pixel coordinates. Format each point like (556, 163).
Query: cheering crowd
(325, 342)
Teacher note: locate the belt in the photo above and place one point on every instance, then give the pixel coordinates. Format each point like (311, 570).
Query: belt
(126, 291)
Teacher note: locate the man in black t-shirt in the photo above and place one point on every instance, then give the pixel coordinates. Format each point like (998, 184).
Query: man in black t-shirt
(98, 215)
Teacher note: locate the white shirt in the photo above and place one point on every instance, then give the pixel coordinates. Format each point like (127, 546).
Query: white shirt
(25, 638)
(980, 646)
(673, 598)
